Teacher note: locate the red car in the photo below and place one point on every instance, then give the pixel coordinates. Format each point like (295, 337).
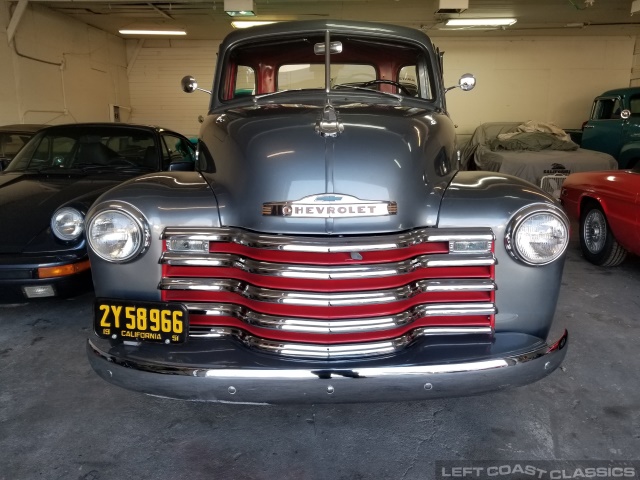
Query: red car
(606, 205)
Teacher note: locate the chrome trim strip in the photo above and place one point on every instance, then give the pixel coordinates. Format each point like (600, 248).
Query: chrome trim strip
(248, 379)
(354, 325)
(326, 272)
(310, 350)
(323, 299)
(327, 244)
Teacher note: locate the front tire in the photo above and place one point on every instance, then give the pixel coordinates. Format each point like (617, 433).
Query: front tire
(598, 244)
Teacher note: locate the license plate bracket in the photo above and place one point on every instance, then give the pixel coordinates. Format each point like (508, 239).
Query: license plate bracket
(154, 322)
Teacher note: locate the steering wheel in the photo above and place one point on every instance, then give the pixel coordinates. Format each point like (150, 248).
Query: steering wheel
(402, 88)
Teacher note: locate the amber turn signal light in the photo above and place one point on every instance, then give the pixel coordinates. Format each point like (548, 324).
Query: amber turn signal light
(63, 270)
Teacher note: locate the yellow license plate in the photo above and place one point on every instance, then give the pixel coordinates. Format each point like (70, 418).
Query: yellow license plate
(156, 322)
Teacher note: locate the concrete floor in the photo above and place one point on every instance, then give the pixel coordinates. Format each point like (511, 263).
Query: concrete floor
(58, 420)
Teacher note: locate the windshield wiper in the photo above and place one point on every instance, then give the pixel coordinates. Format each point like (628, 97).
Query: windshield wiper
(264, 95)
(54, 170)
(369, 90)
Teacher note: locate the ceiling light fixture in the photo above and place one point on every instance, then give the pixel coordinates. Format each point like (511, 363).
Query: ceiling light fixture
(240, 8)
(249, 23)
(480, 22)
(145, 31)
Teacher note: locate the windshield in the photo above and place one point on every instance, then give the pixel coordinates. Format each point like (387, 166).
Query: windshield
(83, 149)
(357, 63)
(12, 142)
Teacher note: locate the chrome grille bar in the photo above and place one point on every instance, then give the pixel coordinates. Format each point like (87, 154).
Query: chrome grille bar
(308, 350)
(325, 272)
(321, 299)
(327, 244)
(370, 324)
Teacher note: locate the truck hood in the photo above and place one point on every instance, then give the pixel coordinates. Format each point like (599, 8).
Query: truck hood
(274, 155)
(27, 201)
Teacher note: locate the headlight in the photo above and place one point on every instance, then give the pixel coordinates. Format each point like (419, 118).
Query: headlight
(67, 223)
(117, 236)
(537, 235)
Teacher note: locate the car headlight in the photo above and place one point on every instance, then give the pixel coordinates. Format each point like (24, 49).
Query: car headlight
(67, 223)
(537, 235)
(117, 236)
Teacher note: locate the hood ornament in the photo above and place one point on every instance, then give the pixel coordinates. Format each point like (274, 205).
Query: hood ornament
(330, 205)
(328, 125)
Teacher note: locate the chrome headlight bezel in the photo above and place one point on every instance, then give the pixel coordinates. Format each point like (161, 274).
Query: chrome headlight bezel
(56, 226)
(520, 218)
(134, 216)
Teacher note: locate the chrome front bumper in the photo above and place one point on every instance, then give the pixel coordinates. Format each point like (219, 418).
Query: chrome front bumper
(234, 374)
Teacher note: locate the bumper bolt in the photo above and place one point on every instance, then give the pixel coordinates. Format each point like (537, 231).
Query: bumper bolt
(232, 390)
(330, 389)
(428, 386)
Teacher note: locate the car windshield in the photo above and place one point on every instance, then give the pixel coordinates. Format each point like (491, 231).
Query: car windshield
(86, 150)
(358, 63)
(12, 142)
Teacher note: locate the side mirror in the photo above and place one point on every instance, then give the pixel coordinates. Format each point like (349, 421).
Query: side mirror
(189, 85)
(467, 82)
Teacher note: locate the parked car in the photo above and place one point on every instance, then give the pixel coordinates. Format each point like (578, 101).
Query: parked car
(13, 138)
(326, 249)
(614, 126)
(606, 205)
(47, 189)
(541, 153)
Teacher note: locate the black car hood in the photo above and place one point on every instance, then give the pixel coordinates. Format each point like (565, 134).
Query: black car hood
(27, 201)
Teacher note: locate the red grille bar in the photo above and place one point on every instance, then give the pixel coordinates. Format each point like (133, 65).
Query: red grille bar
(332, 338)
(321, 285)
(278, 309)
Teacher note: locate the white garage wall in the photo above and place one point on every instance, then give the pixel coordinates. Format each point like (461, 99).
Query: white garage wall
(155, 71)
(76, 72)
(9, 105)
(59, 70)
(550, 79)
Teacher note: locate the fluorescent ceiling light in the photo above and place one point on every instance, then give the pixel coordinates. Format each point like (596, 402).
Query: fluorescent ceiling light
(480, 22)
(249, 23)
(240, 8)
(130, 31)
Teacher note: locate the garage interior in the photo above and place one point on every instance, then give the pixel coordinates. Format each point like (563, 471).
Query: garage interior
(66, 62)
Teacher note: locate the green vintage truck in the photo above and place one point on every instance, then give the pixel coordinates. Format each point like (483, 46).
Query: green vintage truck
(614, 126)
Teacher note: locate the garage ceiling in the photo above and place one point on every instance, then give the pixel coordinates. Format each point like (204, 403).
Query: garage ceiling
(206, 19)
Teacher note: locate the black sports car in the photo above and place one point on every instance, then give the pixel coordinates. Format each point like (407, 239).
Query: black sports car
(48, 187)
(13, 138)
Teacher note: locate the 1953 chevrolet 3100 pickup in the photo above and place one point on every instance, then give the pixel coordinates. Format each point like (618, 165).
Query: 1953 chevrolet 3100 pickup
(326, 248)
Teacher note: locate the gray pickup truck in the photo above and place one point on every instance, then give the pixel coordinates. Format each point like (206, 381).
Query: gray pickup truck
(326, 248)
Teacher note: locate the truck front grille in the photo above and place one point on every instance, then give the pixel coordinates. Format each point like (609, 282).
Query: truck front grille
(331, 296)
